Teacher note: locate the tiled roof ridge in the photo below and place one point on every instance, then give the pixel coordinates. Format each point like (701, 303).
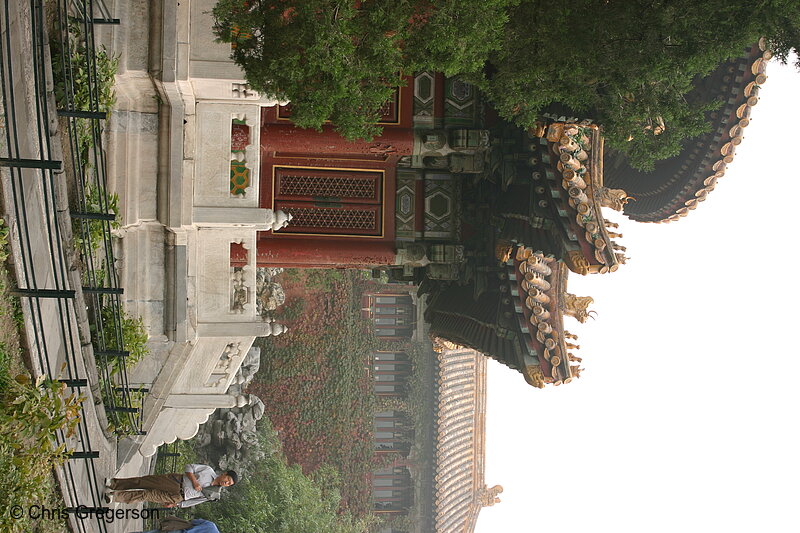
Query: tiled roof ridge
(728, 150)
(459, 471)
(543, 301)
(579, 152)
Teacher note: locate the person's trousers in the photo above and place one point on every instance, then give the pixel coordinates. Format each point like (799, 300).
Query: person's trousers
(163, 488)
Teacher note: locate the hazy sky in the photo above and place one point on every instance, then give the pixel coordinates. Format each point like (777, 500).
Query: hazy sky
(685, 419)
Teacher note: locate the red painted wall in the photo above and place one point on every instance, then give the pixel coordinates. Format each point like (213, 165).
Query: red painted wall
(285, 147)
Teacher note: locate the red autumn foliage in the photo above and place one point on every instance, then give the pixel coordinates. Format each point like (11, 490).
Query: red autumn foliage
(314, 384)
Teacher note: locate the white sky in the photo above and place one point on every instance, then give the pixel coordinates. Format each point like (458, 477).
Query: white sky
(685, 418)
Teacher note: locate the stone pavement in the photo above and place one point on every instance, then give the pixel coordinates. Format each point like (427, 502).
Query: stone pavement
(40, 261)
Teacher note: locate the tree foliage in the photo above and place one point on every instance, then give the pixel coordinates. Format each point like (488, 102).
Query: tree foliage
(340, 60)
(32, 413)
(276, 497)
(316, 389)
(628, 64)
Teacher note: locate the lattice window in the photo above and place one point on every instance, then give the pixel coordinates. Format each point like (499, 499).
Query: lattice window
(327, 186)
(389, 110)
(330, 201)
(332, 220)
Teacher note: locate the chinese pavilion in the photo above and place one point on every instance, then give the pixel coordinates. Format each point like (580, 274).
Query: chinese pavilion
(486, 219)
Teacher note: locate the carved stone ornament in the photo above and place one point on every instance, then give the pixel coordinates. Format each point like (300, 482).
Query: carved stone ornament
(613, 198)
(577, 306)
(232, 350)
(240, 292)
(577, 262)
(281, 220)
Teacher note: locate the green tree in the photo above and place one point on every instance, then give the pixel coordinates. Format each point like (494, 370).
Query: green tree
(340, 60)
(278, 498)
(627, 64)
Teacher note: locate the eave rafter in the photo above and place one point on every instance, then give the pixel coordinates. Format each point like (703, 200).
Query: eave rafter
(539, 292)
(579, 162)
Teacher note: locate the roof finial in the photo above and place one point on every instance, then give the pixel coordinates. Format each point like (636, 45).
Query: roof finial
(489, 496)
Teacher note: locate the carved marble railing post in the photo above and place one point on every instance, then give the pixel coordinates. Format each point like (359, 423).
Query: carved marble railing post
(225, 322)
(227, 156)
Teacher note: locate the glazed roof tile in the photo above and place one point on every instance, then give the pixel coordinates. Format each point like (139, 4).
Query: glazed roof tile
(460, 445)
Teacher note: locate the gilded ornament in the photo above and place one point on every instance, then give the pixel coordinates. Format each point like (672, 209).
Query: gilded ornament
(489, 496)
(440, 345)
(577, 306)
(534, 376)
(613, 198)
(503, 250)
(577, 263)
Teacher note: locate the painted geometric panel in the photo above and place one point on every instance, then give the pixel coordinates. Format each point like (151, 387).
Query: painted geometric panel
(424, 91)
(442, 194)
(423, 87)
(240, 177)
(240, 173)
(240, 135)
(460, 105)
(405, 209)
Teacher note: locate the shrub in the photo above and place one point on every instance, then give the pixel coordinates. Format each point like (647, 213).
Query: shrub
(75, 60)
(31, 414)
(279, 497)
(134, 338)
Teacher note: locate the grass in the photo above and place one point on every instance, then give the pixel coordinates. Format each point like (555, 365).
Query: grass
(10, 314)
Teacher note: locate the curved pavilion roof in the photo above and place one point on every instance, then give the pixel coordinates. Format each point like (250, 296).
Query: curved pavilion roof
(460, 491)
(678, 184)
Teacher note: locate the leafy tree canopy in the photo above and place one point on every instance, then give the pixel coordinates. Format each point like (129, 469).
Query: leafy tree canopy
(339, 60)
(626, 63)
(277, 498)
